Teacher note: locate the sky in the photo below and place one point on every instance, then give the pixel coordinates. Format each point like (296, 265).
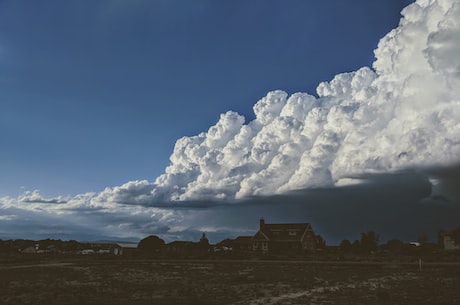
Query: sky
(122, 119)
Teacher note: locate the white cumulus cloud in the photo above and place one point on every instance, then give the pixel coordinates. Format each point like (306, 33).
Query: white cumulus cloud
(403, 112)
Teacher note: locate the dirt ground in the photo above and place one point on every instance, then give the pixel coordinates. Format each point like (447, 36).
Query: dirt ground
(227, 282)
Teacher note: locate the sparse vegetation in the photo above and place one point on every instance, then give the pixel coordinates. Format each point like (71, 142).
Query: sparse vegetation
(151, 244)
(226, 282)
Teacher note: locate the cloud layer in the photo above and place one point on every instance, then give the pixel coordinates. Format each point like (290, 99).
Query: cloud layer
(406, 200)
(404, 112)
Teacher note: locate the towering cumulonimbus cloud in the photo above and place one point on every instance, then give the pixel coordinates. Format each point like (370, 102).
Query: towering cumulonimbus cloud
(404, 112)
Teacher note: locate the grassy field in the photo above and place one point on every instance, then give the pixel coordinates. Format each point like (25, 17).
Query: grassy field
(112, 281)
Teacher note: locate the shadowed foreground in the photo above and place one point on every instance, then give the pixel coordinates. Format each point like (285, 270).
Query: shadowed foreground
(227, 282)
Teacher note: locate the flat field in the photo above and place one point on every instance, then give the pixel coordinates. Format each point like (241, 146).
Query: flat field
(114, 281)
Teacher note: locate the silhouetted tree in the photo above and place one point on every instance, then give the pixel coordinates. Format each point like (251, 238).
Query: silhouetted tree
(441, 234)
(151, 244)
(356, 246)
(3, 246)
(204, 241)
(394, 245)
(203, 244)
(456, 236)
(345, 245)
(423, 239)
(369, 241)
(320, 242)
(71, 245)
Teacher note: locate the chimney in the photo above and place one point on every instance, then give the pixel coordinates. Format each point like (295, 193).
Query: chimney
(261, 223)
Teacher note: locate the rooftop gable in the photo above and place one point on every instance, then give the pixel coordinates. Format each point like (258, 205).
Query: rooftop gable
(283, 232)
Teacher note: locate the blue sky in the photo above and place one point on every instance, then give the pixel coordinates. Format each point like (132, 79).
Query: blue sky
(96, 93)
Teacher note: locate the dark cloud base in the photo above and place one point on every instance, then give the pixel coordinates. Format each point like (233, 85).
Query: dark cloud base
(398, 205)
(403, 205)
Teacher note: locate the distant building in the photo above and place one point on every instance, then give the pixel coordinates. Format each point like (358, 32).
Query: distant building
(450, 240)
(29, 250)
(125, 249)
(243, 244)
(289, 238)
(179, 247)
(204, 241)
(187, 248)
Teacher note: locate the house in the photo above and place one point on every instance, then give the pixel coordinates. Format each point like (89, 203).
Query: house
(450, 240)
(243, 244)
(188, 248)
(179, 247)
(127, 249)
(290, 238)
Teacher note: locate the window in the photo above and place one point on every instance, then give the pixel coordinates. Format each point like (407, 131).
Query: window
(292, 233)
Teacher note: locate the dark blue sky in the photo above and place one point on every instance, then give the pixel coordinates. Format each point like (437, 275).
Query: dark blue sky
(95, 93)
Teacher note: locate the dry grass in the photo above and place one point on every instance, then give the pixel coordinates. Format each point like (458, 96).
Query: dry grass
(226, 282)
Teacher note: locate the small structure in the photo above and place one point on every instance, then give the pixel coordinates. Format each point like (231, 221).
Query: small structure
(86, 252)
(29, 250)
(127, 249)
(450, 240)
(289, 238)
(204, 241)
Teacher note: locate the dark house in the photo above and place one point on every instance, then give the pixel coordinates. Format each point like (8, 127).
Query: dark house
(179, 247)
(450, 240)
(243, 244)
(187, 248)
(290, 238)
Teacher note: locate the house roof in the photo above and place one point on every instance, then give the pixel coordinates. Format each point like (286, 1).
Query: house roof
(125, 245)
(283, 232)
(180, 243)
(243, 239)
